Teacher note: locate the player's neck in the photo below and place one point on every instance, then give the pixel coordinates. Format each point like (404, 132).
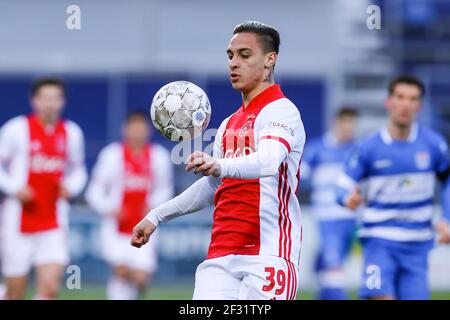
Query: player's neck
(399, 132)
(136, 147)
(248, 96)
(47, 122)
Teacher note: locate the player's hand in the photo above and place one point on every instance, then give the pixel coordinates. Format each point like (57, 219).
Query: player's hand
(25, 195)
(141, 233)
(443, 230)
(63, 192)
(354, 200)
(202, 162)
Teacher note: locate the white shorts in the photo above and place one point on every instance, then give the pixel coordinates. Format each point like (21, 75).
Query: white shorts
(246, 277)
(22, 251)
(118, 251)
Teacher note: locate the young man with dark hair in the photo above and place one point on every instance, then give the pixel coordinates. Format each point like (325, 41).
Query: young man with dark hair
(399, 166)
(322, 162)
(42, 166)
(128, 179)
(251, 179)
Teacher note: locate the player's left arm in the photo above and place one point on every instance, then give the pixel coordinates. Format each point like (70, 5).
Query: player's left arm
(443, 173)
(162, 188)
(278, 129)
(75, 176)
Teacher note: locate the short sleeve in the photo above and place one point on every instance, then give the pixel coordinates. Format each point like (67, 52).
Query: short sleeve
(217, 147)
(355, 165)
(281, 121)
(442, 156)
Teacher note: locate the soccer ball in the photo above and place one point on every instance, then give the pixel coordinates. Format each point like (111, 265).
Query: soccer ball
(180, 111)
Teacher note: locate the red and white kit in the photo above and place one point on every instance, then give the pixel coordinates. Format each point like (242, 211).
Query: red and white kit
(256, 237)
(124, 186)
(44, 159)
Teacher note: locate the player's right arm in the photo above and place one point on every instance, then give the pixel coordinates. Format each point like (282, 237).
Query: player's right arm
(195, 198)
(355, 169)
(442, 168)
(100, 192)
(12, 160)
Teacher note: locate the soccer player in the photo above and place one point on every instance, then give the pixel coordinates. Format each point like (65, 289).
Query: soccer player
(42, 166)
(399, 166)
(251, 179)
(128, 179)
(322, 162)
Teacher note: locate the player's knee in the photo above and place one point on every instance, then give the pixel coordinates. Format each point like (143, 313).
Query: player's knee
(122, 272)
(48, 291)
(15, 293)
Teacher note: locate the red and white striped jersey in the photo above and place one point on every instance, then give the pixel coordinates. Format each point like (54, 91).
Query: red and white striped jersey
(130, 183)
(45, 159)
(260, 216)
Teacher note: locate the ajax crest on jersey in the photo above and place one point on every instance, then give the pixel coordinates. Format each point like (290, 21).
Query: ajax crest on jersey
(180, 111)
(422, 160)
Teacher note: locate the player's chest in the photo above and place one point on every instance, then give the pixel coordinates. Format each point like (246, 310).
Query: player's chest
(401, 158)
(136, 172)
(239, 136)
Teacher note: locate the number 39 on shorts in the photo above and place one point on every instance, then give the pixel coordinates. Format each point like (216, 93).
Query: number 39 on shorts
(276, 280)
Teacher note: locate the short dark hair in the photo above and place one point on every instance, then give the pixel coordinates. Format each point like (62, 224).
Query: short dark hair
(42, 82)
(268, 35)
(408, 79)
(346, 112)
(137, 114)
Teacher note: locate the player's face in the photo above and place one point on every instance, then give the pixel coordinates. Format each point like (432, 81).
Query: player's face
(137, 132)
(248, 65)
(48, 102)
(345, 127)
(404, 103)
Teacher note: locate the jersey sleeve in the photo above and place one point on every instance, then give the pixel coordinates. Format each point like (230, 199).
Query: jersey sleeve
(281, 121)
(99, 193)
(13, 156)
(217, 147)
(75, 176)
(162, 188)
(442, 168)
(355, 170)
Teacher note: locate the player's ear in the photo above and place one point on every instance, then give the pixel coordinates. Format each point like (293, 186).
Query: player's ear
(271, 59)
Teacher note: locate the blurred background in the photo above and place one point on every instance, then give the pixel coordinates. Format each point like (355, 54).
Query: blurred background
(126, 50)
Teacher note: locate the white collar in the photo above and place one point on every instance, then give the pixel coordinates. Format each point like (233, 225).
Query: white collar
(387, 138)
(330, 139)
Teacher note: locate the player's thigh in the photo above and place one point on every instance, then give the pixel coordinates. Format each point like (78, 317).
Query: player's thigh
(48, 278)
(379, 271)
(17, 254)
(268, 278)
(214, 281)
(51, 248)
(413, 277)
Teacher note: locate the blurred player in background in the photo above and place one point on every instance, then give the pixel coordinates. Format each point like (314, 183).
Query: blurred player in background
(251, 179)
(322, 163)
(42, 166)
(399, 166)
(128, 179)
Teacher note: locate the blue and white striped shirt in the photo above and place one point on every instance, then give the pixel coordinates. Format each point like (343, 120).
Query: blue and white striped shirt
(323, 161)
(398, 182)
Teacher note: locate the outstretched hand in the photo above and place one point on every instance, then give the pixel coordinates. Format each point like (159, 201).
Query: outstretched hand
(202, 162)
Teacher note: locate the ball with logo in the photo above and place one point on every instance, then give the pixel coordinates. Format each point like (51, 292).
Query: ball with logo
(180, 110)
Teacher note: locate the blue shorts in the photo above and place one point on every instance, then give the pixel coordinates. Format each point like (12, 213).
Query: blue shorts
(337, 237)
(395, 269)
